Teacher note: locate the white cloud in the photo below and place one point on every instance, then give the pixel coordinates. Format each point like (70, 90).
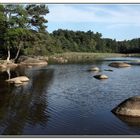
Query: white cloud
(64, 13)
(120, 15)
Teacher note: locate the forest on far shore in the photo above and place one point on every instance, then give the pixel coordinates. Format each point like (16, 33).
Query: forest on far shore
(23, 30)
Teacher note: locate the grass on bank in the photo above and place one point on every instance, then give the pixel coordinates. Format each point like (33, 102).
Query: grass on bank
(76, 57)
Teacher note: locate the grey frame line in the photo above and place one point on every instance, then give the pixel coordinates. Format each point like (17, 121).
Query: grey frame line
(72, 136)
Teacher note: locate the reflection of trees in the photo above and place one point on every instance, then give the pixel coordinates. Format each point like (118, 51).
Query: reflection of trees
(22, 106)
(39, 85)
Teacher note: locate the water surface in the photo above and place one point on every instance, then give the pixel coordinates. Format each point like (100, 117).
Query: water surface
(67, 100)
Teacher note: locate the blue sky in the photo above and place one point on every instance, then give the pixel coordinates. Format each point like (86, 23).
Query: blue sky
(116, 21)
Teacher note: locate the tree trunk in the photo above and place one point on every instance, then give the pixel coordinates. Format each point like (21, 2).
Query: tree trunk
(9, 74)
(8, 57)
(18, 51)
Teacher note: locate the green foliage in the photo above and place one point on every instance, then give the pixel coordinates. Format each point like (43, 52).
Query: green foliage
(80, 41)
(21, 26)
(89, 41)
(130, 46)
(23, 29)
(36, 16)
(2, 22)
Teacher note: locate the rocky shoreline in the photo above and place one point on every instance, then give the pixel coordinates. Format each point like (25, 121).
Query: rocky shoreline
(23, 62)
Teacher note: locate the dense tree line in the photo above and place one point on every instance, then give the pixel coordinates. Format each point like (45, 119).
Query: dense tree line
(89, 41)
(79, 41)
(23, 30)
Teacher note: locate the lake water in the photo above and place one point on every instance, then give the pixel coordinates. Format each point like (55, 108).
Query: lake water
(67, 100)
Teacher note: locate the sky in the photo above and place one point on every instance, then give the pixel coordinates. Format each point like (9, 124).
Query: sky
(115, 21)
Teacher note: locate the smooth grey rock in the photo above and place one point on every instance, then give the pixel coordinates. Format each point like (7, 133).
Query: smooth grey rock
(18, 80)
(102, 76)
(94, 69)
(129, 107)
(119, 64)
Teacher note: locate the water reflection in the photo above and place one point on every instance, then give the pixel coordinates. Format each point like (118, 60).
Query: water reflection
(66, 99)
(24, 105)
(130, 121)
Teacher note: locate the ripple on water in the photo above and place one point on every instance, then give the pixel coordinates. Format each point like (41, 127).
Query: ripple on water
(67, 99)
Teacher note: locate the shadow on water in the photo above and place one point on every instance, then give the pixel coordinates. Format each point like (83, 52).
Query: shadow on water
(24, 105)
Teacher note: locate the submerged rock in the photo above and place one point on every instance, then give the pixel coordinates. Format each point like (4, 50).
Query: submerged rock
(102, 76)
(129, 107)
(134, 62)
(119, 64)
(18, 80)
(138, 60)
(94, 69)
(108, 70)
